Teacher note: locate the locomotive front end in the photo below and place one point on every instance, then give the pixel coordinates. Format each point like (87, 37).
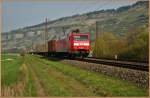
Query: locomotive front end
(80, 44)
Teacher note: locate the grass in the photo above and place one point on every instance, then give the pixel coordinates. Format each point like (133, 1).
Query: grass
(13, 75)
(102, 85)
(52, 78)
(55, 83)
(30, 89)
(10, 68)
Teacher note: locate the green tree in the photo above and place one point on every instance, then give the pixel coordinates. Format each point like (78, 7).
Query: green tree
(133, 46)
(106, 46)
(137, 45)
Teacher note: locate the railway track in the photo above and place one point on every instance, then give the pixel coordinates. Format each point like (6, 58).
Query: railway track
(130, 71)
(124, 64)
(116, 63)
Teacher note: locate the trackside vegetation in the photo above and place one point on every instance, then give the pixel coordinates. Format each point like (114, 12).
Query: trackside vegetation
(34, 75)
(133, 46)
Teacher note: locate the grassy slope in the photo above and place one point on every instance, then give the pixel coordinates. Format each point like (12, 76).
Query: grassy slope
(51, 78)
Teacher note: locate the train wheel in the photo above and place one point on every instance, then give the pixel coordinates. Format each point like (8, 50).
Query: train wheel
(71, 56)
(83, 55)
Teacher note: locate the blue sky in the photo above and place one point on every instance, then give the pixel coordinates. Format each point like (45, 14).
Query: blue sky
(26, 13)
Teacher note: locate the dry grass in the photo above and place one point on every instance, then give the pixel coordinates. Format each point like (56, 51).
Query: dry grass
(41, 77)
(18, 88)
(40, 90)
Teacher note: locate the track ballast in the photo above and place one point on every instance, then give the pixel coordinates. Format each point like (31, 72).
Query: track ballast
(124, 64)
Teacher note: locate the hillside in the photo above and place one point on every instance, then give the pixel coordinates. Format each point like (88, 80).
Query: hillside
(118, 21)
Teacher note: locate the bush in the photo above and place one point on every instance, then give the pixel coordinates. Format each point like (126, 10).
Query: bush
(134, 46)
(22, 53)
(137, 48)
(107, 46)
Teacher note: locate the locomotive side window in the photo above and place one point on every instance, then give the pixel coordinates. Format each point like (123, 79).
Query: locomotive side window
(81, 37)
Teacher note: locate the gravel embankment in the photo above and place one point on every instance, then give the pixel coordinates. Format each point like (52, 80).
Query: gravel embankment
(140, 78)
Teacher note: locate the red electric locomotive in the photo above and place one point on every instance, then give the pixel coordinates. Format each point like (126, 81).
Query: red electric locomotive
(79, 44)
(76, 44)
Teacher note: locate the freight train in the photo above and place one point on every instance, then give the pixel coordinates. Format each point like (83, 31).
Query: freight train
(76, 44)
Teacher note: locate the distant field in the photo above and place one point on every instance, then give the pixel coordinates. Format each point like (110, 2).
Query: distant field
(36, 76)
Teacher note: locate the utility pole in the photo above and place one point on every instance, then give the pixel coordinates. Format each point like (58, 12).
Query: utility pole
(32, 50)
(46, 35)
(96, 35)
(63, 30)
(97, 31)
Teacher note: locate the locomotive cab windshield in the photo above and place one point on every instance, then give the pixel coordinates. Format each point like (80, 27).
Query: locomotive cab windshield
(81, 37)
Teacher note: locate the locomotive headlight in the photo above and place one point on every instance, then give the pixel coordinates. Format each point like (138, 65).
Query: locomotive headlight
(86, 44)
(76, 44)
